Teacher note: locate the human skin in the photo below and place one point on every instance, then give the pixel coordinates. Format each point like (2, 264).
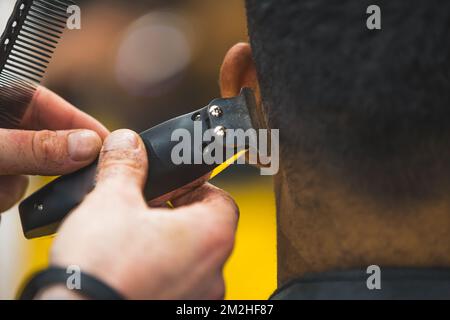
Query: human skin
(144, 252)
(322, 225)
(54, 138)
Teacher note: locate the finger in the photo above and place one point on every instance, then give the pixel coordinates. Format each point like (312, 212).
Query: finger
(176, 194)
(49, 111)
(211, 201)
(123, 163)
(47, 152)
(206, 192)
(12, 189)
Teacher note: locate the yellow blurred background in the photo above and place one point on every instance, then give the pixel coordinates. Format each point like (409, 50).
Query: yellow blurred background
(137, 63)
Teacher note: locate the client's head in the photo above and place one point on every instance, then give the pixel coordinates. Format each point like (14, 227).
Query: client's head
(364, 132)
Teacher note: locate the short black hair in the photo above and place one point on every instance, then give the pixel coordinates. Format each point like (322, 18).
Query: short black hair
(372, 106)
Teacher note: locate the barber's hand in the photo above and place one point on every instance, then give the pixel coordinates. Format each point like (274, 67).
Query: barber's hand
(147, 253)
(39, 148)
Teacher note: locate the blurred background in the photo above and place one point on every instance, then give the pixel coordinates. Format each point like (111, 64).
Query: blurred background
(135, 64)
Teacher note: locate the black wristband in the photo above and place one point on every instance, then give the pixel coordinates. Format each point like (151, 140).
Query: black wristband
(91, 287)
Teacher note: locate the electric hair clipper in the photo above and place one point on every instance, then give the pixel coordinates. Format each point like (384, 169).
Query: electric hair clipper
(43, 211)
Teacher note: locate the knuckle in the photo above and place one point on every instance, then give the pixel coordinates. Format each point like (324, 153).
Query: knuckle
(219, 239)
(218, 231)
(46, 147)
(234, 208)
(224, 200)
(224, 214)
(121, 158)
(117, 163)
(229, 199)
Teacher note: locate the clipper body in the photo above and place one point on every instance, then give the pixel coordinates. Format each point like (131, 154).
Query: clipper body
(43, 211)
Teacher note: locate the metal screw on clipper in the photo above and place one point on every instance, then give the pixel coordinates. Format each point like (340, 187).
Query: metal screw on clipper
(215, 111)
(220, 131)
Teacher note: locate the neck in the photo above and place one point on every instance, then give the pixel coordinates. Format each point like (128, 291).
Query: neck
(322, 230)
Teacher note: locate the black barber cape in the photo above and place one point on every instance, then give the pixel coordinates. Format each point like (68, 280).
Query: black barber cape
(395, 284)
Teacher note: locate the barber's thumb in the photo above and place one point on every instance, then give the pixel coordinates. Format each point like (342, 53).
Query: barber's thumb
(123, 162)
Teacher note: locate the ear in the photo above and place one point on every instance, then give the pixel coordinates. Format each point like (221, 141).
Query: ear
(239, 71)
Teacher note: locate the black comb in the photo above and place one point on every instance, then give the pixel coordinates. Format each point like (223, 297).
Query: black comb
(26, 47)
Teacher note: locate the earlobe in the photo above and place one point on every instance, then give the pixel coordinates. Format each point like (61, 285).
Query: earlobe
(238, 71)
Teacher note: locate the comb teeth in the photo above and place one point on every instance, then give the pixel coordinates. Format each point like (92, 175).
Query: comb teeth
(34, 32)
(26, 47)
